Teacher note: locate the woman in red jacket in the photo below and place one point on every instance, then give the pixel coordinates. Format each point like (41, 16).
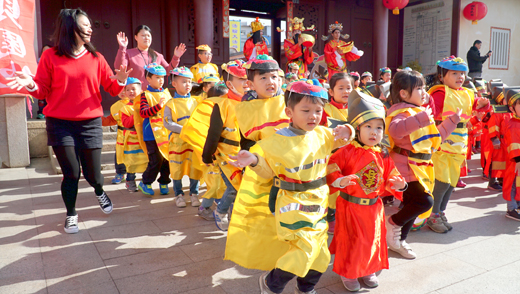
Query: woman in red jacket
(68, 77)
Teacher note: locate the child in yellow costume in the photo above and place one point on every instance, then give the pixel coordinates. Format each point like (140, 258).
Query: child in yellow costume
(258, 115)
(176, 113)
(213, 132)
(153, 137)
(130, 157)
(449, 97)
(297, 157)
(204, 67)
(207, 83)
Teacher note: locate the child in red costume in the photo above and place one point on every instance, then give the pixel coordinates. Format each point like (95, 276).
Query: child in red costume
(361, 171)
(512, 139)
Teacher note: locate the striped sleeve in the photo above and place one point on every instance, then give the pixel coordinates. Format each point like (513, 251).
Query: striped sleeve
(145, 110)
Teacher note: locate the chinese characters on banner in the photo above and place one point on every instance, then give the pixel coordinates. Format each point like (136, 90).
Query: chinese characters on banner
(16, 41)
(225, 18)
(234, 35)
(289, 6)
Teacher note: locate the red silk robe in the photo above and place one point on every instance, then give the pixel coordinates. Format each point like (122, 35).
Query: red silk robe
(249, 46)
(512, 140)
(294, 53)
(359, 241)
(497, 161)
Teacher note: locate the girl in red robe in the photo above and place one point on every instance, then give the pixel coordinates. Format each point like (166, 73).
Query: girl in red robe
(255, 45)
(361, 171)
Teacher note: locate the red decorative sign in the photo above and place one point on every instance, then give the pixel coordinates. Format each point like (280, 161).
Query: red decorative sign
(225, 18)
(16, 41)
(290, 8)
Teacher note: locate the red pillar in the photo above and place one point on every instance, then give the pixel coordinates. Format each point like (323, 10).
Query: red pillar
(203, 23)
(380, 37)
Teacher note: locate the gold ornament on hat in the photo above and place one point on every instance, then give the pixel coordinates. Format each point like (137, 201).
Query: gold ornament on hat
(332, 28)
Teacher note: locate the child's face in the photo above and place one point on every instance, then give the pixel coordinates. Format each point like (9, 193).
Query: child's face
(341, 90)
(294, 70)
(265, 85)
(208, 86)
(122, 95)
(356, 83)
(515, 108)
(366, 79)
(240, 85)
(182, 85)
(417, 97)
(371, 132)
(205, 56)
(454, 79)
(132, 90)
(305, 115)
(386, 77)
(155, 81)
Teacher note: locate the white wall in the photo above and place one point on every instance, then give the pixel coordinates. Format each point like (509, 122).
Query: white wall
(501, 14)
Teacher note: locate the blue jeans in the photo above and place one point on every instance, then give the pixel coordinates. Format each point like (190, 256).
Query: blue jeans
(229, 195)
(207, 203)
(177, 187)
(513, 204)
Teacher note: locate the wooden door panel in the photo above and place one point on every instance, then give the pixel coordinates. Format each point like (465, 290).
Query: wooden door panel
(361, 32)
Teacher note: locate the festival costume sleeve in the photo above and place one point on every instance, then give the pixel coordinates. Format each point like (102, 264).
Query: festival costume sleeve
(127, 120)
(330, 56)
(482, 109)
(438, 98)
(403, 125)
(216, 125)
(108, 121)
(308, 56)
(448, 126)
(262, 168)
(169, 124)
(292, 51)
(391, 171)
(248, 48)
(336, 165)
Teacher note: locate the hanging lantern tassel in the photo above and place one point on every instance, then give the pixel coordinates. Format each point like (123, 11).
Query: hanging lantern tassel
(396, 11)
(474, 22)
(395, 5)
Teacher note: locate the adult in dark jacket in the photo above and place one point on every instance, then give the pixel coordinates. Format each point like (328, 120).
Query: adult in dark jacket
(475, 61)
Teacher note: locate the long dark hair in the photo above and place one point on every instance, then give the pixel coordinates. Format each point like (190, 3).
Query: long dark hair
(257, 37)
(151, 52)
(64, 36)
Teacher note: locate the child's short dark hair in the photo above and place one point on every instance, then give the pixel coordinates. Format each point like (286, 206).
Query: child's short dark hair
(441, 73)
(292, 99)
(251, 73)
(217, 90)
(201, 51)
(148, 74)
(340, 76)
(355, 78)
(404, 80)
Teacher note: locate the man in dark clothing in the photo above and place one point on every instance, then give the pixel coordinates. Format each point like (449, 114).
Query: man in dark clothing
(475, 61)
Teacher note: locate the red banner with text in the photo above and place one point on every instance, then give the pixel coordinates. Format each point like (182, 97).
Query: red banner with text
(16, 41)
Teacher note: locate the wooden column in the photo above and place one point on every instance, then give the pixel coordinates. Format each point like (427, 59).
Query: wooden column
(380, 37)
(203, 23)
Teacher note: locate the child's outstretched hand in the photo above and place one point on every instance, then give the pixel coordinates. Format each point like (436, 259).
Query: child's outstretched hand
(429, 112)
(244, 158)
(341, 132)
(482, 102)
(348, 180)
(398, 183)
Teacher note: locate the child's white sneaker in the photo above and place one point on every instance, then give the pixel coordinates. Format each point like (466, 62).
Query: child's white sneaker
(405, 250)
(221, 220)
(195, 202)
(351, 284)
(179, 201)
(371, 281)
(393, 234)
(298, 291)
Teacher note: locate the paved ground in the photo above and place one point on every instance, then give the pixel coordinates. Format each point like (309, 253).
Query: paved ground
(147, 245)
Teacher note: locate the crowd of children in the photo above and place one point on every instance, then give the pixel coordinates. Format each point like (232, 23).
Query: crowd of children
(286, 161)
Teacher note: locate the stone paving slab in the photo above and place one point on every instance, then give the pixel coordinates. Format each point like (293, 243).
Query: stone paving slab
(148, 245)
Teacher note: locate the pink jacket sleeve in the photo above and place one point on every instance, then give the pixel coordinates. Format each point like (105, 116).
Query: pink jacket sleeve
(403, 125)
(173, 64)
(121, 58)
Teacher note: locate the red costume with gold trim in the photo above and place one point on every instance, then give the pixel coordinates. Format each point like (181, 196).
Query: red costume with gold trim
(512, 141)
(359, 241)
(249, 47)
(294, 53)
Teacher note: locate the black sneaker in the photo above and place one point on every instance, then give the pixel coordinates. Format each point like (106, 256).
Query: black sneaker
(71, 224)
(495, 186)
(104, 203)
(513, 214)
(388, 200)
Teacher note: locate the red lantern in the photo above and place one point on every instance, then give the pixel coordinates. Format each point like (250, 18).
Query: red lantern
(475, 11)
(395, 5)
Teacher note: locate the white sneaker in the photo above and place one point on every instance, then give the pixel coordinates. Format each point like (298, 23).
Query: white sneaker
(195, 202)
(221, 220)
(179, 201)
(71, 224)
(393, 235)
(405, 250)
(371, 281)
(351, 284)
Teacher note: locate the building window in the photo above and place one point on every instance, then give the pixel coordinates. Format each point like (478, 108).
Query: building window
(500, 41)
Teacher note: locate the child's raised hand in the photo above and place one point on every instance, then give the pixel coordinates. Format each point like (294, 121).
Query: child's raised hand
(341, 132)
(122, 39)
(459, 111)
(398, 183)
(179, 50)
(162, 102)
(482, 102)
(244, 158)
(348, 180)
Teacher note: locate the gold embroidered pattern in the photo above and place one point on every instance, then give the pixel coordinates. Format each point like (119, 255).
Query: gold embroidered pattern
(369, 178)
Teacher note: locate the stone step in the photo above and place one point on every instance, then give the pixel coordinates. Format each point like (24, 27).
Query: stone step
(107, 161)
